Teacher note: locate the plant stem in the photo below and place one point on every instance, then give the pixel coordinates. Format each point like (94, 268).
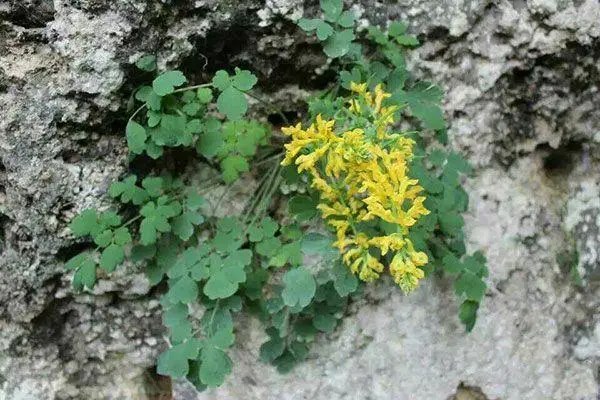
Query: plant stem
(185, 89)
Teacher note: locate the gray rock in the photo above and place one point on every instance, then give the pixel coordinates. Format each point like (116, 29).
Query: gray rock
(521, 79)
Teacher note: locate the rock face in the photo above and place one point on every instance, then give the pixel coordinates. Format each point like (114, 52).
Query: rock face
(521, 79)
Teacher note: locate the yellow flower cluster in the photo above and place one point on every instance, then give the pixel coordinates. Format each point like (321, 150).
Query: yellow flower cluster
(361, 175)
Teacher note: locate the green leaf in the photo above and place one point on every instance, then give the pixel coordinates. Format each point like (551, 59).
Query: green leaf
(221, 80)
(265, 229)
(222, 338)
(268, 247)
(85, 224)
(210, 143)
(188, 96)
(302, 207)
(175, 317)
(451, 223)
(146, 63)
(215, 366)
(174, 361)
(331, 9)
(229, 235)
(325, 322)
(193, 126)
(194, 200)
(128, 191)
(153, 186)
(299, 287)
(379, 71)
(166, 82)
(317, 243)
(396, 29)
(153, 150)
(193, 260)
(121, 236)
(232, 166)
(346, 20)
(289, 252)
(204, 95)
(398, 76)
(476, 265)
(338, 44)
(112, 256)
(219, 318)
(249, 138)
(185, 290)
(468, 314)
(345, 282)
(452, 264)
(272, 348)
(456, 162)
(156, 219)
(232, 103)
(308, 25)
(243, 80)
(143, 93)
(104, 238)
(136, 137)
(78, 261)
(191, 109)
(424, 101)
(181, 332)
(285, 363)
(175, 314)
(324, 30)
(377, 35)
(154, 101)
(183, 225)
(471, 285)
(227, 274)
(85, 271)
(437, 157)
(141, 253)
(348, 77)
(299, 350)
(171, 131)
(407, 40)
(109, 218)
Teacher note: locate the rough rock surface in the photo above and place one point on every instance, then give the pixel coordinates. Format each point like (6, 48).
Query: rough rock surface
(521, 78)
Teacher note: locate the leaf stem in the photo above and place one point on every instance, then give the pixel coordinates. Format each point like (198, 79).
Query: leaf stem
(212, 316)
(185, 89)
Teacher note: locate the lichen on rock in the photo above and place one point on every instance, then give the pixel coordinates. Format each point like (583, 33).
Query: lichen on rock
(521, 81)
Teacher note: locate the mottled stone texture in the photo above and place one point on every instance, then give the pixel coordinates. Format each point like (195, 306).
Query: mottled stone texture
(521, 79)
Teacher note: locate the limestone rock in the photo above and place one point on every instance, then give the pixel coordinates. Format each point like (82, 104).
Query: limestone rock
(521, 80)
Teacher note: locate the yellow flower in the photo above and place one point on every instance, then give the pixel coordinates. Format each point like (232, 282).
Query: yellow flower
(326, 191)
(380, 95)
(360, 88)
(308, 161)
(419, 258)
(341, 227)
(336, 209)
(362, 177)
(405, 273)
(417, 209)
(385, 243)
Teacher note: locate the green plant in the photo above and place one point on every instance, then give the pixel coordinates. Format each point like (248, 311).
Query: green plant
(254, 262)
